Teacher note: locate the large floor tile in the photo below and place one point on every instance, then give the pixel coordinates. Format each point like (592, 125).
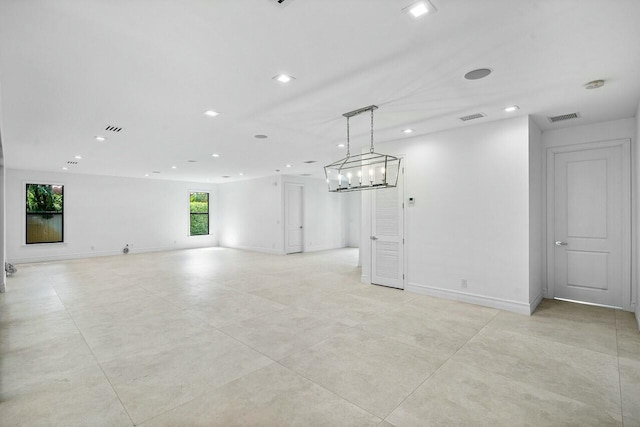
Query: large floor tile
(557, 309)
(626, 320)
(21, 334)
(474, 315)
(152, 382)
(271, 396)
(30, 308)
(597, 336)
(22, 370)
(283, 332)
(382, 293)
(339, 306)
(232, 309)
(369, 370)
(459, 395)
(630, 388)
(80, 396)
(583, 375)
(629, 344)
(439, 335)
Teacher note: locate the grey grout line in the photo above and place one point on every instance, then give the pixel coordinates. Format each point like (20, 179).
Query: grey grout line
(619, 375)
(97, 362)
(440, 367)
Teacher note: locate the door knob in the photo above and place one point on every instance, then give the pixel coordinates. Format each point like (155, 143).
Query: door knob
(374, 238)
(559, 243)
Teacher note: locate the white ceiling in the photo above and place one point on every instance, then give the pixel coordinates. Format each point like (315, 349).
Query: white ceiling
(70, 68)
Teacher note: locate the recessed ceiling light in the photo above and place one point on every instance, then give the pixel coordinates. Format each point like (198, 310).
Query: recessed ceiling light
(288, 166)
(511, 109)
(100, 138)
(407, 130)
(215, 155)
(240, 174)
(259, 136)
(174, 167)
(211, 113)
(64, 168)
(340, 145)
(594, 84)
(146, 174)
(418, 9)
(478, 74)
(77, 157)
(284, 78)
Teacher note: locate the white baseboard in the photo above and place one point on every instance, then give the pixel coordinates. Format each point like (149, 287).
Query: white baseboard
(256, 249)
(95, 254)
(501, 304)
(537, 300)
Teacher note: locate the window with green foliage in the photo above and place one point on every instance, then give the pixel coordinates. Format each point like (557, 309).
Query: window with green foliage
(199, 214)
(45, 213)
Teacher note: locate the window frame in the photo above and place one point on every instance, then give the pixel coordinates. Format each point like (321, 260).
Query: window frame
(26, 223)
(208, 213)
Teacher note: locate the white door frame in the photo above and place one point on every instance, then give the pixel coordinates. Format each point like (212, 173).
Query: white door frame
(286, 229)
(405, 240)
(626, 213)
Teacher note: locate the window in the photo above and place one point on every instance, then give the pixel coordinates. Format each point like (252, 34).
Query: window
(198, 214)
(44, 213)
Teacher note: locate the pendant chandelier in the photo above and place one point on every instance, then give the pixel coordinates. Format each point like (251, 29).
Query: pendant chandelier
(368, 171)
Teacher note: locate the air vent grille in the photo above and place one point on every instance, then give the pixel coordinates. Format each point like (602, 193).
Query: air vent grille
(113, 128)
(305, 174)
(226, 176)
(310, 161)
(155, 171)
(564, 117)
(71, 162)
(472, 117)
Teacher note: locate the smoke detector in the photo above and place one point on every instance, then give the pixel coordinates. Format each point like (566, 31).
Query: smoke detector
(281, 3)
(594, 84)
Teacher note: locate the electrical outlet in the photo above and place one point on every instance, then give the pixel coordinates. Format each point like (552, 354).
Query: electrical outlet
(463, 283)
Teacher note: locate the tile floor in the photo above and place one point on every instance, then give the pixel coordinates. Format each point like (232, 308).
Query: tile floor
(221, 337)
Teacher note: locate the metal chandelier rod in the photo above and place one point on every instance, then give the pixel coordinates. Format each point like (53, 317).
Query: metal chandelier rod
(350, 114)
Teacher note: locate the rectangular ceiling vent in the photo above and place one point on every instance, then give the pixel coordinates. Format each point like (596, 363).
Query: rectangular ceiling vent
(564, 117)
(473, 117)
(310, 161)
(113, 128)
(305, 174)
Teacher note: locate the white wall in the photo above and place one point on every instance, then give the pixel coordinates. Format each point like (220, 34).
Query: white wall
(536, 215)
(636, 151)
(604, 131)
(471, 213)
(252, 214)
(103, 213)
(352, 214)
(325, 214)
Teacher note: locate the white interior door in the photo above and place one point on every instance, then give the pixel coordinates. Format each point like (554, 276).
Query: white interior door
(591, 201)
(387, 236)
(293, 217)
